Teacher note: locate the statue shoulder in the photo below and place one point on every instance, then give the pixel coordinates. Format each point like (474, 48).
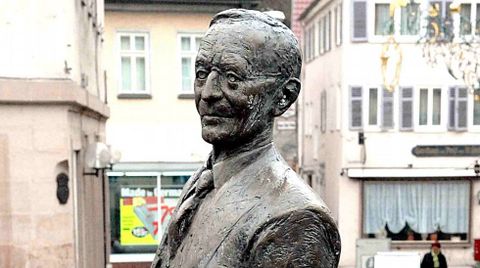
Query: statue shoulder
(312, 231)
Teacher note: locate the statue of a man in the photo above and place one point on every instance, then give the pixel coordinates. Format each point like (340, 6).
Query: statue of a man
(246, 207)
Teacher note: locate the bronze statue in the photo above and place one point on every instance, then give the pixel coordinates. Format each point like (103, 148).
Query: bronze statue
(246, 207)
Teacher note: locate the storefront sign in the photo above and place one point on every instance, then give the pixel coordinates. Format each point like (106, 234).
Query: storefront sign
(446, 150)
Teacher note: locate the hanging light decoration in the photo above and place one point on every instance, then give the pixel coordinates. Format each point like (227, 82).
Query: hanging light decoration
(459, 52)
(441, 44)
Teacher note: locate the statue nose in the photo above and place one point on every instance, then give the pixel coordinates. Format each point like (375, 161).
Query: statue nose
(212, 90)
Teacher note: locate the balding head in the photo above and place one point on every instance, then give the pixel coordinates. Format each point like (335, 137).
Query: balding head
(280, 46)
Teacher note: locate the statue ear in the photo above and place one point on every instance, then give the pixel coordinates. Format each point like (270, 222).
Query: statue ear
(289, 93)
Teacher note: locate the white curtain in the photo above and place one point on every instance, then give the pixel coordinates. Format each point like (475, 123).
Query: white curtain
(425, 206)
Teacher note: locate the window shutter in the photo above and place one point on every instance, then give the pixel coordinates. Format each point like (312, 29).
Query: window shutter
(406, 108)
(387, 109)
(355, 108)
(359, 27)
(462, 101)
(451, 108)
(323, 111)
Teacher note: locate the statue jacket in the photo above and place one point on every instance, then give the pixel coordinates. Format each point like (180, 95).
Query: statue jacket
(259, 214)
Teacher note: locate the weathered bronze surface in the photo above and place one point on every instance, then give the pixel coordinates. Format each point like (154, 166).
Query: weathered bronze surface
(246, 207)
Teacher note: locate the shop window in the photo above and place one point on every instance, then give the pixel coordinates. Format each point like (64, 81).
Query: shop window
(417, 211)
(139, 211)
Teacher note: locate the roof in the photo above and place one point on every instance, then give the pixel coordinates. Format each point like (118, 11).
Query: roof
(178, 5)
(308, 9)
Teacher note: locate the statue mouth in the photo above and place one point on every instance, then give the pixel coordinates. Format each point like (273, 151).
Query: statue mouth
(213, 114)
(214, 117)
(211, 120)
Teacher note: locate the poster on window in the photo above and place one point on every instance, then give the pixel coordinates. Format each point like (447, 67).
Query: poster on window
(139, 219)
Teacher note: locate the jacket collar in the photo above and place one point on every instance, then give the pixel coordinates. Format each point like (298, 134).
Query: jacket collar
(227, 168)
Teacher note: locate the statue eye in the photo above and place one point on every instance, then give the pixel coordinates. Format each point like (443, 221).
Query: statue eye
(201, 74)
(232, 77)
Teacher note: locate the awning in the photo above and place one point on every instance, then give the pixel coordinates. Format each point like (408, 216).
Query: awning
(361, 173)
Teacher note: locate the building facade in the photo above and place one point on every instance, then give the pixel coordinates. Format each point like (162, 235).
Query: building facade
(388, 140)
(51, 110)
(150, 53)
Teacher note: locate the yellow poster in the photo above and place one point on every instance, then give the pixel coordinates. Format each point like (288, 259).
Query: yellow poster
(138, 221)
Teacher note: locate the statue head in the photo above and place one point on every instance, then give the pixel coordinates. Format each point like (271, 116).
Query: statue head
(247, 72)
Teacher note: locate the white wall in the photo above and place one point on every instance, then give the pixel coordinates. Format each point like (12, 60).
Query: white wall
(163, 127)
(42, 38)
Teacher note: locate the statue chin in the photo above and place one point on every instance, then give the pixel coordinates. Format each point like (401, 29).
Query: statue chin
(214, 137)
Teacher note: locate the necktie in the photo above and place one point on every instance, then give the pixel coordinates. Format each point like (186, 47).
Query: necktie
(182, 219)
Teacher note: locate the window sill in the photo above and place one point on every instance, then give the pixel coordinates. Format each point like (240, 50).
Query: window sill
(134, 96)
(186, 96)
(427, 243)
(126, 258)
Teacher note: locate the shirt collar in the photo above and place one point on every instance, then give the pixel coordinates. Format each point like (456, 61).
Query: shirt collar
(227, 168)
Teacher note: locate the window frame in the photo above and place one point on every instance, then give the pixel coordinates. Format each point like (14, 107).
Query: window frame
(133, 55)
(429, 127)
(470, 112)
(192, 54)
(372, 37)
(379, 126)
(366, 110)
(473, 36)
(456, 99)
(338, 10)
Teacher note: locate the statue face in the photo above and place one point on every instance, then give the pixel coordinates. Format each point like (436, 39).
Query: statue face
(235, 84)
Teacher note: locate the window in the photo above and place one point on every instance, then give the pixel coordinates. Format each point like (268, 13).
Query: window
(429, 107)
(457, 108)
(338, 25)
(133, 62)
(310, 42)
(379, 112)
(476, 112)
(189, 44)
(410, 19)
(465, 19)
(442, 7)
(328, 34)
(417, 210)
(404, 21)
(139, 211)
(383, 24)
(356, 108)
(469, 19)
(477, 23)
(387, 109)
(321, 37)
(373, 106)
